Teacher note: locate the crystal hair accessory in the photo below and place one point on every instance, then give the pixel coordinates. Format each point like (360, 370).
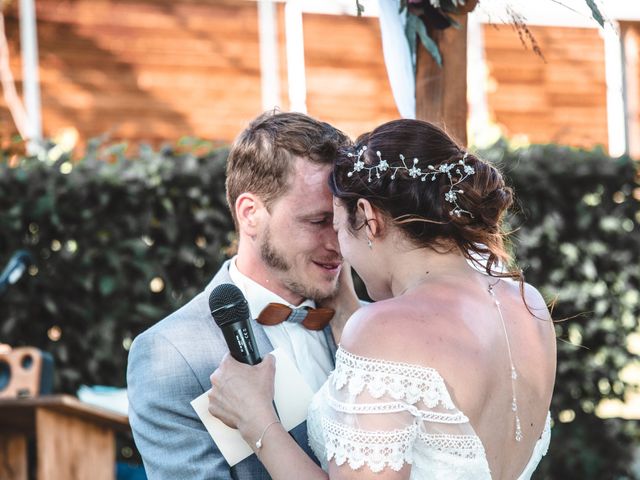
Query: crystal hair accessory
(414, 171)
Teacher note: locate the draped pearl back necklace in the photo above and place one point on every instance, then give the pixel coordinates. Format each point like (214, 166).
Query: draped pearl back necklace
(514, 373)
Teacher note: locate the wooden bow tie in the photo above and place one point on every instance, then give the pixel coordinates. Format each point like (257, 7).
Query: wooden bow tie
(310, 318)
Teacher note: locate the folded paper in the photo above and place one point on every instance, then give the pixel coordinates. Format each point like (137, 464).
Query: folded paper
(292, 399)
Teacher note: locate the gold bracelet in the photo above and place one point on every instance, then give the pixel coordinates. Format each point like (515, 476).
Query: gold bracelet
(259, 441)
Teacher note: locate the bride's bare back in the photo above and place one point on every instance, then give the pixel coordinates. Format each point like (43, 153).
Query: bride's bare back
(451, 324)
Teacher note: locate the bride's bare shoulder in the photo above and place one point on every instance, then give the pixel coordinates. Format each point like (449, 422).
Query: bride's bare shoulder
(400, 330)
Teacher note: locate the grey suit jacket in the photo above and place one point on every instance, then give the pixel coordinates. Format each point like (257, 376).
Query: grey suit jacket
(169, 366)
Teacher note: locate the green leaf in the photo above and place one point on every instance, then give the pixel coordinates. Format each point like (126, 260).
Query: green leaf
(428, 42)
(50, 304)
(411, 31)
(107, 285)
(595, 12)
(149, 311)
(43, 206)
(167, 204)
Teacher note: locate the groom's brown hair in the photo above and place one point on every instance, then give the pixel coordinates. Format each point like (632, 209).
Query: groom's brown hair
(261, 157)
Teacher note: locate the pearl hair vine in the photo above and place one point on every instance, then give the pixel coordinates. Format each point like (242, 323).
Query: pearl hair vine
(414, 171)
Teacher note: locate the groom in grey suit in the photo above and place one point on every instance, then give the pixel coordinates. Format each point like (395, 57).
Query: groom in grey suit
(287, 253)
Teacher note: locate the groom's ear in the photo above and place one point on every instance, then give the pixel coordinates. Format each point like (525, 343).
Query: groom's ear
(249, 211)
(372, 217)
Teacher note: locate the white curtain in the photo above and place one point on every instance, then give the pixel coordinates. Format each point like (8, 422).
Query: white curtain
(397, 57)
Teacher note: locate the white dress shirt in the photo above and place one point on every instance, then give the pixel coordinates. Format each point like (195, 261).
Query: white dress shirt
(307, 348)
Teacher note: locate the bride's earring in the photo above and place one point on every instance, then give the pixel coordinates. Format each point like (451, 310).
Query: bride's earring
(369, 232)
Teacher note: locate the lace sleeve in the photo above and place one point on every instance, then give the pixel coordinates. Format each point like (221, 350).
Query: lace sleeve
(384, 414)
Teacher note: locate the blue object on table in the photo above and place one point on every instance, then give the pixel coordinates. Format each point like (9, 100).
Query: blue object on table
(111, 398)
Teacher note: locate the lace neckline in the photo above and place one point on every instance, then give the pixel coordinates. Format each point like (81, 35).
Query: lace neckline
(362, 360)
(401, 381)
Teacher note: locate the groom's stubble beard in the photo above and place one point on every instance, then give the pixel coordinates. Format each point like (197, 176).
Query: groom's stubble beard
(277, 261)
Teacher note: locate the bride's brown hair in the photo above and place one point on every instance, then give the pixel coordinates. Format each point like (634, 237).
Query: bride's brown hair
(419, 208)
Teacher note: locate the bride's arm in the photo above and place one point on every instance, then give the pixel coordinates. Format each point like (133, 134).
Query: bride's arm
(282, 456)
(242, 397)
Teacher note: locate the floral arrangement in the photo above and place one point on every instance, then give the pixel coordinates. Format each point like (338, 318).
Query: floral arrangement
(424, 16)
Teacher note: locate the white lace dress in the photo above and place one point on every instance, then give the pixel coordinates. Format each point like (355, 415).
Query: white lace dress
(378, 414)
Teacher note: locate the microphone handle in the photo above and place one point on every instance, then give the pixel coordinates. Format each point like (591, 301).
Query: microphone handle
(241, 342)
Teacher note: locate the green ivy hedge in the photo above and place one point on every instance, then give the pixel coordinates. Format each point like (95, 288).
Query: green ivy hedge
(578, 239)
(120, 240)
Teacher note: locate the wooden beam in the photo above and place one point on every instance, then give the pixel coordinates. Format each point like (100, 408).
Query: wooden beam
(630, 37)
(441, 92)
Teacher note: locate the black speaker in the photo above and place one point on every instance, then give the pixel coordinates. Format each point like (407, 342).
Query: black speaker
(25, 372)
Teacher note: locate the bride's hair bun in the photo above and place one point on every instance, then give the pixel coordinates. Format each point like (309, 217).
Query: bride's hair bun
(423, 208)
(485, 195)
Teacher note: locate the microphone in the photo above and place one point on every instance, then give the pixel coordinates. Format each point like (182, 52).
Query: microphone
(230, 311)
(14, 269)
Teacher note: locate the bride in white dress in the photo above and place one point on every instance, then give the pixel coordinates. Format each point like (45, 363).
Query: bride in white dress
(449, 374)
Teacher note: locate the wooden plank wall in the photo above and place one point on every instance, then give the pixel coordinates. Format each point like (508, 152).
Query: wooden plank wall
(561, 98)
(145, 69)
(155, 70)
(347, 83)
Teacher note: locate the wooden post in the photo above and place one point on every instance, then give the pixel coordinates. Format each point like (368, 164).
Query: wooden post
(630, 37)
(441, 92)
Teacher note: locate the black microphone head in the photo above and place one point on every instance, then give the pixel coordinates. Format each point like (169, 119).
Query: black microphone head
(227, 304)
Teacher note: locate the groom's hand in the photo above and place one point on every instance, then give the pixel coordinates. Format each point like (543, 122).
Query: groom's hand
(345, 301)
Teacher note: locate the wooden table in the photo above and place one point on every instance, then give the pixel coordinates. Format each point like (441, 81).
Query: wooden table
(73, 440)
